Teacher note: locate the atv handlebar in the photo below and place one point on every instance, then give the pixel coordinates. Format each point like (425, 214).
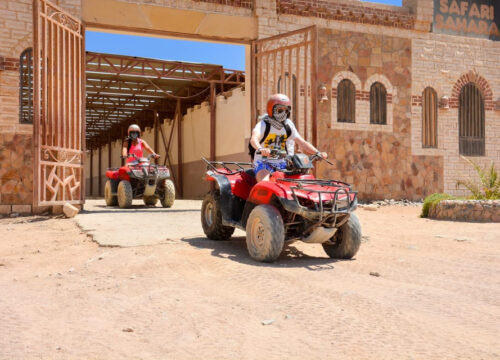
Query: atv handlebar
(281, 154)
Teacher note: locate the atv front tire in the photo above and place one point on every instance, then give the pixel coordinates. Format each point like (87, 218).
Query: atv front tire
(347, 240)
(150, 200)
(265, 233)
(169, 196)
(211, 218)
(111, 200)
(125, 194)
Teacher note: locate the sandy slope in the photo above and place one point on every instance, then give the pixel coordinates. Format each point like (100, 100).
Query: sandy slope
(63, 297)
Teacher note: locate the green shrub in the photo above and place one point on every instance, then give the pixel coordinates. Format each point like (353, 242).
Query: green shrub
(432, 200)
(489, 186)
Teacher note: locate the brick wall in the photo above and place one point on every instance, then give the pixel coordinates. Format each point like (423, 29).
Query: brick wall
(350, 12)
(377, 159)
(446, 63)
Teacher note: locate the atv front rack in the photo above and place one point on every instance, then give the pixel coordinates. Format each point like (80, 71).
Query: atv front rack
(237, 166)
(325, 212)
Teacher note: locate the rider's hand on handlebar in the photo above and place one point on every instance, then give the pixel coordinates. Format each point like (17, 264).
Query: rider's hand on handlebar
(324, 155)
(265, 151)
(156, 156)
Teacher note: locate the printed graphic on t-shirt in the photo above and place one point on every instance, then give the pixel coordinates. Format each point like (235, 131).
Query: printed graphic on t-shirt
(275, 141)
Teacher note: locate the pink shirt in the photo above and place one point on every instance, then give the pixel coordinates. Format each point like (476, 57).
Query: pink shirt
(136, 149)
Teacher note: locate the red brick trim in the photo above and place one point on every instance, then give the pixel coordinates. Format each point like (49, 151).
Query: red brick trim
(416, 100)
(362, 95)
(247, 4)
(342, 12)
(9, 64)
(481, 83)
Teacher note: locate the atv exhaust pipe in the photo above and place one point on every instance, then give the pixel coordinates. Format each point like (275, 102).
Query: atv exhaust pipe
(320, 235)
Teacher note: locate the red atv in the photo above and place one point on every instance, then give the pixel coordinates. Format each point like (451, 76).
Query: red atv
(139, 178)
(292, 205)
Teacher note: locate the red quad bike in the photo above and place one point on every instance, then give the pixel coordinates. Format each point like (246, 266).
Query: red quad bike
(292, 205)
(139, 178)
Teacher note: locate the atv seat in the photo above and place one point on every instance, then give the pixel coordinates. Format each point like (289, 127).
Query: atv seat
(249, 176)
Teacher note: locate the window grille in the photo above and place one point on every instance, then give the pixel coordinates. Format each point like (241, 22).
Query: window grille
(346, 101)
(471, 121)
(26, 87)
(378, 104)
(429, 118)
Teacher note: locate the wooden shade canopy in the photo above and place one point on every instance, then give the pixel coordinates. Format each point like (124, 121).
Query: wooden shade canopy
(122, 90)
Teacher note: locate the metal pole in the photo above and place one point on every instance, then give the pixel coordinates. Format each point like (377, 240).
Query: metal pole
(212, 122)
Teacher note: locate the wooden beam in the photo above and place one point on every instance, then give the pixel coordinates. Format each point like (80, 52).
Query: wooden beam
(91, 173)
(155, 127)
(178, 115)
(99, 179)
(213, 101)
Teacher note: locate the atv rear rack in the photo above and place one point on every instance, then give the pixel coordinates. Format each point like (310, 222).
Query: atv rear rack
(240, 166)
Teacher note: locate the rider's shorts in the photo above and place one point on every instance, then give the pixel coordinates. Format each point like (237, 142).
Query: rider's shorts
(271, 167)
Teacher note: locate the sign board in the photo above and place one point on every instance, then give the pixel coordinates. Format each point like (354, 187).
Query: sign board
(472, 18)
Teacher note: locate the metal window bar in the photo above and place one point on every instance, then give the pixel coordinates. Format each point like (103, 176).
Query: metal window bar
(26, 87)
(378, 104)
(471, 121)
(285, 88)
(346, 101)
(429, 118)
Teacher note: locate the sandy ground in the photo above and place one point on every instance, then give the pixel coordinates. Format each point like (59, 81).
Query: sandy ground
(437, 297)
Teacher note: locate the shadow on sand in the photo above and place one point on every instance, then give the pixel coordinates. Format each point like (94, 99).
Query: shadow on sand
(235, 249)
(103, 209)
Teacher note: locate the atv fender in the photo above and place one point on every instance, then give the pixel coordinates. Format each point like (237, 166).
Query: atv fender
(263, 192)
(226, 198)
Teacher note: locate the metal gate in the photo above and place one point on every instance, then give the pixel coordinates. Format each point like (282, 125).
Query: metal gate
(287, 63)
(59, 126)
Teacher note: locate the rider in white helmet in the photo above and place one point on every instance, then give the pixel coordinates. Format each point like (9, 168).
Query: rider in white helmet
(133, 144)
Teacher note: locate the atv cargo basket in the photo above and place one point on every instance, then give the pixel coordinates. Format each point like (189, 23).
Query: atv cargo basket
(325, 212)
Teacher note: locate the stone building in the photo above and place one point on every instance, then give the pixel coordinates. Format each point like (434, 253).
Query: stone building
(394, 94)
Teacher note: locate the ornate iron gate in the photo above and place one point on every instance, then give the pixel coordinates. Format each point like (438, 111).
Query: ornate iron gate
(287, 63)
(59, 122)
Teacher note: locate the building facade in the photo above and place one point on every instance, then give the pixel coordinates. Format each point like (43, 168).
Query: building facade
(409, 90)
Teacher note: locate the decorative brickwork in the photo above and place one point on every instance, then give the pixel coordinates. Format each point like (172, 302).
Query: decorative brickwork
(480, 81)
(343, 12)
(16, 169)
(416, 100)
(9, 64)
(248, 4)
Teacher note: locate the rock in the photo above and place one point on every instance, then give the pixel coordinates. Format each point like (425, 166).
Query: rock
(267, 322)
(70, 210)
(370, 207)
(461, 239)
(412, 247)
(365, 238)
(71, 270)
(374, 273)
(13, 215)
(128, 330)
(440, 236)
(2, 264)
(287, 317)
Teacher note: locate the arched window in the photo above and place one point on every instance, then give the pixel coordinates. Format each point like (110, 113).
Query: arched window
(285, 88)
(26, 87)
(471, 121)
(346, 101)
(378, 104)
(429, 118)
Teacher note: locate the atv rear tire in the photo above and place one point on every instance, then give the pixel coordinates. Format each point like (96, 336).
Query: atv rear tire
(150, 200)
(169, 197)
(111, 200)
(265, 233)
(211, 218)
(125, 194)
(348, 240)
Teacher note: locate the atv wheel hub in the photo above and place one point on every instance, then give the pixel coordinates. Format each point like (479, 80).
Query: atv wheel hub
(209, 214)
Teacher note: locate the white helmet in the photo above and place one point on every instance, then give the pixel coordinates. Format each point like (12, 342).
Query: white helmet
(134, 127)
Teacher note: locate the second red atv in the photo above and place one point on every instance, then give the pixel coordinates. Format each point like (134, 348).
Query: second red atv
(139, 178)
(292, 205)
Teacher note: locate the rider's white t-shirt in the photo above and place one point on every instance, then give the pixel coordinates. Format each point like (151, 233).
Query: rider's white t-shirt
(277, 138)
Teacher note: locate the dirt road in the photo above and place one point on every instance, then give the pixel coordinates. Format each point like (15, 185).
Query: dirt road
(437, 297)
